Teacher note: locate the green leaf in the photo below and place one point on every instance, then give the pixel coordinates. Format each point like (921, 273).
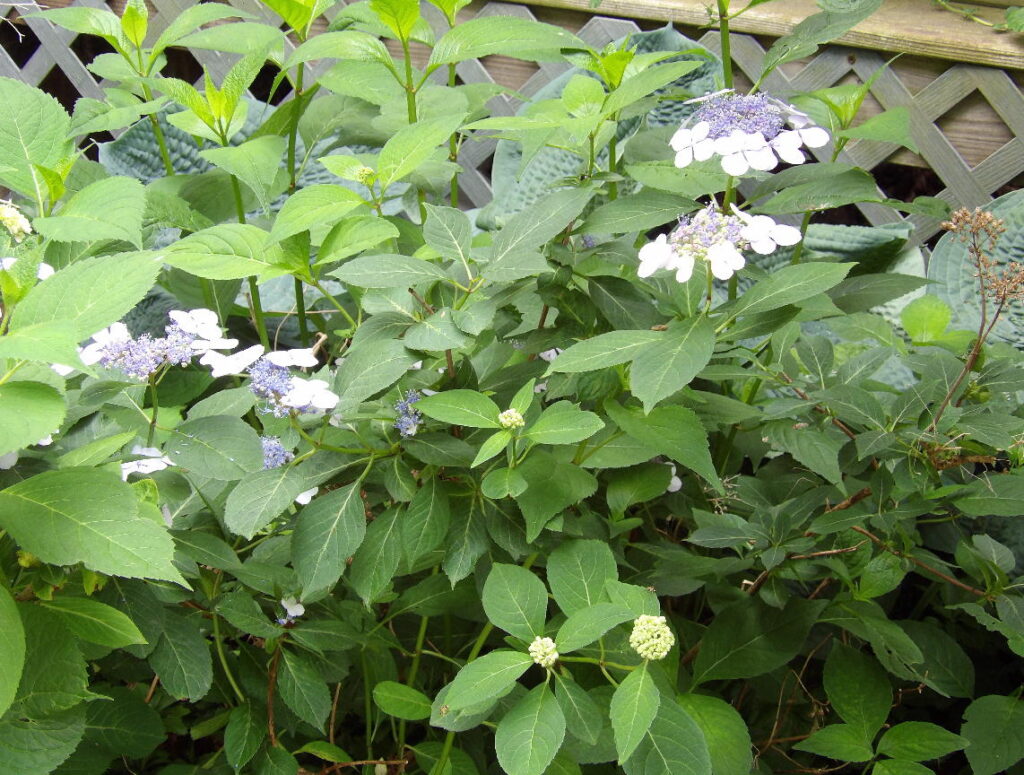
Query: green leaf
(401, 701)
(346, 44)
(493, 445)
(527, 230)
(509, 35)
(725, 731)
(313, 206)
(633, 708)
(89, 516)
(749, 638)
(803, 40)
(990, 495)
(34, 129)
(583, 717)
(553, 487)
(28, 412)
(819, 451)
(376, 561)
(219, 447)
(369, 370)
(466, 542)
(436, 333)
(12, 649)
(515, 600)
(244, 734)
(38, 746)
(70, 295)
(899, 767)
(604, 350)
(641, 84)
(124, 725)
(53, 678)
(530, 734)
(228, 251)
(926, 319)
(670, 364)
(674, 431)
(637, 484)
(842, 742)
(111, 208)
(502, 482)
(324, 750)
(564, 423)
(837, 190)
(95, 622)
(461, 407)
(919, 741)
(486, 678)
(889, 126)
(642, 211)
(858, 689)
(242, 611)
(400, 16)
(790, 285)
(426, 520)
(412, 145)
(261, 497)
(327, 532)
(448, 231)
(578, 572)
(583, 627)
(994, 726)
(182, 658)
(303, 689)
(674, 744)
(51, 342)
(354, 235)
(388, 271)
(276, 761)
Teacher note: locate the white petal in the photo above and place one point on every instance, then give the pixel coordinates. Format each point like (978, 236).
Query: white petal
(754, 141)
(292, 607)
(301, 358)
(723, 260)
(61, 369)
(683, 138)
(8, 461)
(784, 234)
(675, 484)
(787, 146)
(700, 131)
(762, 159)
(684, 268)
(730, 144)
(550, 355)
(814, 136)
(704, 150)
(655, 255)
(44, 271)
(305, 497)
(45, 441)
(735, 164)
(763, 246)
(684, 157)
(222, 365)
(7, 262)
(205, 345)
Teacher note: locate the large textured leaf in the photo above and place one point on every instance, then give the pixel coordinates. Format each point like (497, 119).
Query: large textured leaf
(95, 622)
(28, 412)
(725, 732)
(509, 35)
(12, 649)
(327, 533)
(578, 572)
(994, 725)
(369, 370)
(107, 209)
(487, 677)
(182, 658)
(260, 497)
(89, 516)
(374, 565)
(633, 708)
(674, 745)
(38, 746)
(530, 734)
(70, 295)
(669, 364)
(303, 689)
(255, 162)
(515, 600)
(749, 638)
(33, 130)
(227, 251)
(219, 447)
(554, 486)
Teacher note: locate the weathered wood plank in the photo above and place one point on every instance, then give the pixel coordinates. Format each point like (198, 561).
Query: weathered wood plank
(906, 26)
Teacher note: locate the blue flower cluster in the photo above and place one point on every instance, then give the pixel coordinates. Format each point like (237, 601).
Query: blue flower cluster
(409, 419)
(749, 113)
(274, 453)
(138, 358)
(270, 382)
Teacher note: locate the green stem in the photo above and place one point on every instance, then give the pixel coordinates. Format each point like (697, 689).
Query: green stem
(799, 249)
(592, 661)
(156, 406)
(336, 305)
(414, 668)
(723, 32)
(158, 132)
(293, 130)
(453, 149)
(254, 290)
(300, 310)
(367, 707)
(219, 646)
(613, 186)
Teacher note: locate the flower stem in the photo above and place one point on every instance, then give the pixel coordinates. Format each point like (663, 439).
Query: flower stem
(300, 311)
(293, 130)
(254, 290)
(156, 407)
(723, 32)
(158, 133)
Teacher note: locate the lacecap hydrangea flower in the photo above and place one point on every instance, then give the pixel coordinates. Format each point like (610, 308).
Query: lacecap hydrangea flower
(748, 131)
(544, 652)
(714, 237)
(651, 638)
(274, 453)
(409, 419)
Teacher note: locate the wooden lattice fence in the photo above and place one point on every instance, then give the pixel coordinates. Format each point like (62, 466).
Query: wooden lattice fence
(969, 182)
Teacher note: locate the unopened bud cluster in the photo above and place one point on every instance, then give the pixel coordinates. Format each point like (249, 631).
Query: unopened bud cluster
(651, 638)
(16, 223)
(511, 418)
(544, 652)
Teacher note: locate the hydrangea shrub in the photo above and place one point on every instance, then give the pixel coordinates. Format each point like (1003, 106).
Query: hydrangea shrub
(640, 481)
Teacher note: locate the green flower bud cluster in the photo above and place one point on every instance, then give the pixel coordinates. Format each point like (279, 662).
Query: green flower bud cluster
(651, 638)
(511, 418)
